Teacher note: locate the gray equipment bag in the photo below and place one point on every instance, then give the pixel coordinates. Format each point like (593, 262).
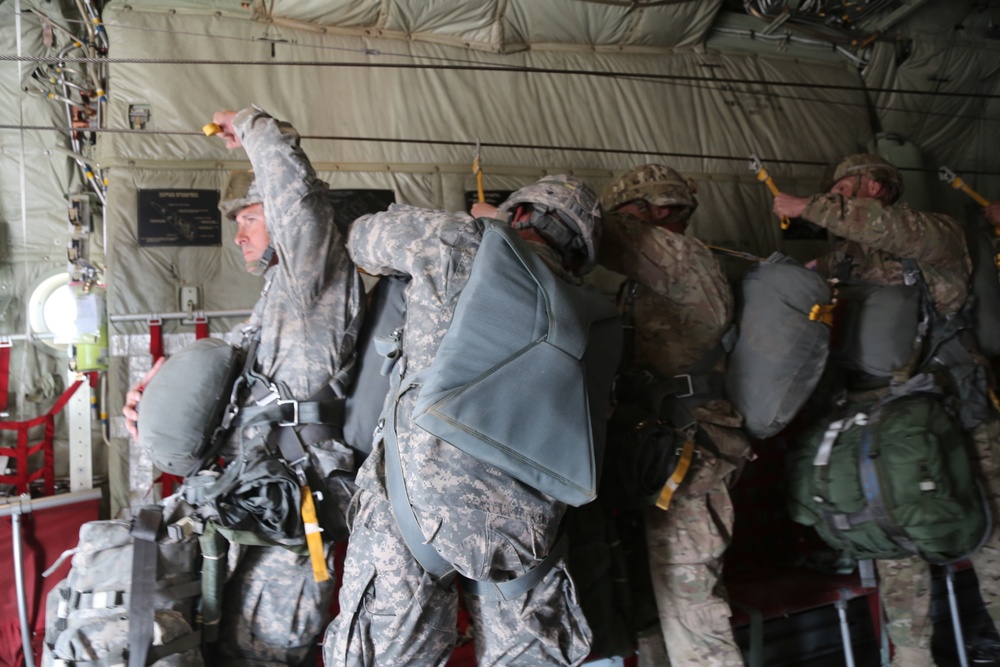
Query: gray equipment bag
(783, 343)
(877, 328)
(130, 597)
(366, 395)
(522, 380)
(985, 285)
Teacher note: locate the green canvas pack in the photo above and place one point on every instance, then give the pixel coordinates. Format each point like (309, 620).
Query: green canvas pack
(888, 480)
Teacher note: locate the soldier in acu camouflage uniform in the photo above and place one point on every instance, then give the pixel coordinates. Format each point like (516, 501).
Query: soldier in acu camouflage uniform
(682, 306)
(308, 316)
(483, 522)
(876, 232)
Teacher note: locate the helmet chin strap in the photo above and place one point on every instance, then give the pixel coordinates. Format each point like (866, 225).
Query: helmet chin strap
(857, 187)
(265, 261)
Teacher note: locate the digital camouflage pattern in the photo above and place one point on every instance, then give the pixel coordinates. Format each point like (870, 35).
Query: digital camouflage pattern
(273, 610)
(87, 614)
(309, 315)
(486, 524)
(877, 235)
(683, 306)
(654, 183)
(576, 204)
(239, 192)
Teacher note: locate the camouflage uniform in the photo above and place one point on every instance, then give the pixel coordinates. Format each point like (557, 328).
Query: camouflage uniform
(683, 306)
(308, 315)
(875, 235)
(486, 524)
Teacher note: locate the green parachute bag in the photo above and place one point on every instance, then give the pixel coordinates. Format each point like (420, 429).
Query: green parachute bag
(889, 480)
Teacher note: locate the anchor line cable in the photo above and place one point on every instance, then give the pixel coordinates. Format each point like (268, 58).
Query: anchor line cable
(483, 144)
(372, 52)
(479, 68)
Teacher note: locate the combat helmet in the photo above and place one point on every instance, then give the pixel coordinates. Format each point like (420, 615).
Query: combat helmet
(872, 166)
(656, 184)
(566, 213)
(239, 192)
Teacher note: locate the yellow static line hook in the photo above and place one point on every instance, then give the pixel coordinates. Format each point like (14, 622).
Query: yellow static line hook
(477, 169)
(211, 129)
(758, 167)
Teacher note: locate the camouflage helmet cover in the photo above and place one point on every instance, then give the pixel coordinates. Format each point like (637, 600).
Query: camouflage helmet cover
(575, 205)
(872, 166)
(239, 192)
(655, 183)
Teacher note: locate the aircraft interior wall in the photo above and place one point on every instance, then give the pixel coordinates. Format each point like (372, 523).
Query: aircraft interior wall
(391, 98)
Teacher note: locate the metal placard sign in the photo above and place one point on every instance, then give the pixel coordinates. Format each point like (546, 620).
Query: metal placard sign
(179, 218)
(493, 197)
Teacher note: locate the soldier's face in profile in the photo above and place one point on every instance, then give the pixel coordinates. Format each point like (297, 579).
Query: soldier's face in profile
(859, 187)
(251, 234)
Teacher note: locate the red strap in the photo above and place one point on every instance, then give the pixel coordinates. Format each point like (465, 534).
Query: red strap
(200, 326)
(155, 338)
(4, 372)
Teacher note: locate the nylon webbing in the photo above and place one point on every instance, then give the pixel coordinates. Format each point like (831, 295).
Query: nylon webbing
(155, 338)
(4, 373)
(508, 590)
(402, 509)
(425, 554)
(141, 612)
(200, 327)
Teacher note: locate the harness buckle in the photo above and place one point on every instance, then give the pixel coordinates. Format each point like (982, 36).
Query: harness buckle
(229, 415)
(295, 412)
(690, 387)
(272, 396)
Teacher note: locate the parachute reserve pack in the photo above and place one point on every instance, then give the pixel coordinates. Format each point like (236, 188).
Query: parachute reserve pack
(542, 354)
(130, 597)
(889, 479)
(783, 343)
(185, 401)
(985, 286)
(876, 330)
(366, 395)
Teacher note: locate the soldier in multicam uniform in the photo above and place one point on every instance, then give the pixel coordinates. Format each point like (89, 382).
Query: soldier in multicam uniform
(992, 213)
(876, 233)
(308, 316)
(682, 306)
(483, 522)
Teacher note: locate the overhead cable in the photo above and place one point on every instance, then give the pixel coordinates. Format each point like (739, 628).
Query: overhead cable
(496, 68)
(482, 144)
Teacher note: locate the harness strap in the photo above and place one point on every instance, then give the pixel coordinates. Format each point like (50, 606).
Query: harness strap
(144, 556)
(425, 554)
(508, 590)
(399, 498)
(179, 645)
(5, 345)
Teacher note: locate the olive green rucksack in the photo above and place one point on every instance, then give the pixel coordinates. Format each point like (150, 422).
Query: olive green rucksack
(889, 479)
